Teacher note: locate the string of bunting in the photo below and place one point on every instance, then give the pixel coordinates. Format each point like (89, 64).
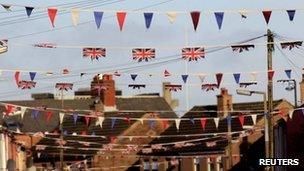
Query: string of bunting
(148, 16)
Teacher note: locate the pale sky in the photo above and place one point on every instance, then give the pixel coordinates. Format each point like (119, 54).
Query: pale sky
(167, 38)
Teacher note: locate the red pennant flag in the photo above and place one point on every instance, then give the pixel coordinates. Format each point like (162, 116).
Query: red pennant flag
(267, 15)
(87, 120)
(270, 74)
(121, 19)
(49, 115)
(165, 124)
(219, 77)
(9, 109)
(127, 119)
(113, 139)
(17, 77)
(241, 118)
(203, 123)
(195, 15)
(52, 14)
(167, 73)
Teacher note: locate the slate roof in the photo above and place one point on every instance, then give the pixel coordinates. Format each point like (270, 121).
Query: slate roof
(30, 124)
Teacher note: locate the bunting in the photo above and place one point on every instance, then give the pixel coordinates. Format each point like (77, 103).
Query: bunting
(177, 123)
(45, 45)
(35, 114)
(216, 122)
(237, 77)
(98, 17)
(17, 77)
(209, 87)
(288, 73)
(3, 46)
(93, 53)
(241, 48)
(219, 77)
(195, 15)
(100, 121)
(254, 119)
(165, 124)
(75, 16)
(6, 7)
(193, 54)
(137, 86)
(29, 11)
(113, 121)
(32, 75)
(171, 16)
(203, 123)
(166, 73)
(26, 84)
(121, 19)
(87, 120)
(22, 111)
(52, 15)
(172, 87)
(241, 119)
(219, 16)
(270, 74)
(246, 84)
(192, 121)
(290, 113)
(133, 76)
(64, 86)
(143, 54)
(148, 19)
(75, 117)
(291, 14)
(48, 115)
(184, 78)
(61, 117)
(291, 45)
(266, 15)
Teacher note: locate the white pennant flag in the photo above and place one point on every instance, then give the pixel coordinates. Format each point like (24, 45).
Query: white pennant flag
(202, 77)
(254, 76)
(99, 121)
(130, 138)
(171, 16)
(291, 113)
(61, 116)
(254, 117)
(177, 123)
(22, 110)
(18, 130)
(141, 121)
(75, 16)
(38, 155)
(216, 121)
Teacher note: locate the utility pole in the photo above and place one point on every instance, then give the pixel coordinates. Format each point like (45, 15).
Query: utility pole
(270, 49)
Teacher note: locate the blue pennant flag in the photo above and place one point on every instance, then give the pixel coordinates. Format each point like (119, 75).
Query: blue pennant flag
(29, 11)
(98, 17)
(237, 77)
(192, 121)
(148, 19)
(113, 120)
(219, 16)
(151, 123)
(65, 132)
(32, 75)
(93, 133)
(229, 120)
(133, 76)
(288, 73)
(75, 117)
(35, 114)
(291, 14)
(185, 77)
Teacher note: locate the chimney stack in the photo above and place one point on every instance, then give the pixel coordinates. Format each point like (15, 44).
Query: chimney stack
(104, 89)
(167, 95)
(224, 103)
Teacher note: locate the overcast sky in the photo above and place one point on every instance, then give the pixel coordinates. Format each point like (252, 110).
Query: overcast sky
(167, 38)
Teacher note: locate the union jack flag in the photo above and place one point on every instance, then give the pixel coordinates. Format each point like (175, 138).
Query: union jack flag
(138, 86)
(246, 84)
(193, 54)
(26, 84)
(241, 48)
(291, 45)
(45, 45)
(172, 87)
(64, 86)
(94, 53)
(3, 46)
(143, 54)
(209, 87)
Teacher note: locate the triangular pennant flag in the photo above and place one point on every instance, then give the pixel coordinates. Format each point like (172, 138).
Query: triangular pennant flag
(113, 120)
(291, 14)
(75, 117)
(141, 121)
(192, 121)
(35, 114)
(32, 75)
(52, 15)
(121, 19)
(229, 120)
(219, 16)
(237, 77)
(241, 119)
(290, 113)
(185, 77)
(22, 110)
(49, 115)
(219, 77)
(133, 76)
(87, 120)
(17, 77)
(266, 15)
(203, 123)
(75, 16)
(9, 109)
(195, 15)
(98, 17)
(38, 155)
(151, 123)
(270, 74)
(171, 16)
(167, 73)
(288, 73)
(216, 122)
(29, 11)
(127, 119)
(243, 14)
(61, 116)
(254, 119)
(148, 19)
(100, 121)
(18, 131)
(177, 123)
(165, 123)
(202, 77)
(6, 7)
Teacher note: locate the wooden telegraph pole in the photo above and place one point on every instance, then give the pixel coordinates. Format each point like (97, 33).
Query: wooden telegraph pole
(270, 49)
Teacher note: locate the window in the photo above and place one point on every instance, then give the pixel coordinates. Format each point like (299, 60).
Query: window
(154, 165)
(146, 165)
